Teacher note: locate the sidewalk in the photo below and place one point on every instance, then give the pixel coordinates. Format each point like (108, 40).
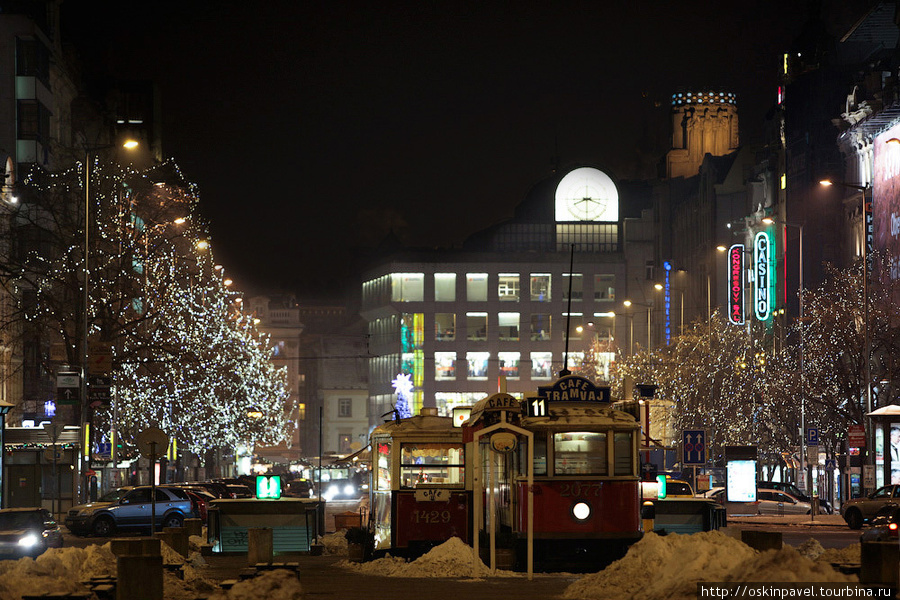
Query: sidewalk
(320, 576)
(792, 520)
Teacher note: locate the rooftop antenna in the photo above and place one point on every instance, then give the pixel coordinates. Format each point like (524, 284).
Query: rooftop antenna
(564, 372)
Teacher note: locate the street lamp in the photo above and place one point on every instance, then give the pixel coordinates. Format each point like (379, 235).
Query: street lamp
(4, 409)
(85, 356)
(806, 479)
(649, 308)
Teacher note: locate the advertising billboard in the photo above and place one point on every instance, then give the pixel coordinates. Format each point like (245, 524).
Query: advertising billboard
(883, 220)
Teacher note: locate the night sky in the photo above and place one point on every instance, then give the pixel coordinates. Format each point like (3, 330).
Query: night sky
(313, 129)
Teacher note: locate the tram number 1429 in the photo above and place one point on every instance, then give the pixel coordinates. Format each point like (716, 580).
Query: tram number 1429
(431, 516)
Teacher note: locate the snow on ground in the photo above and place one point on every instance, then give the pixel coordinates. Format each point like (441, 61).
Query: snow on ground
(669, 567)
(335, 543)
(271, 585)
(453, 558)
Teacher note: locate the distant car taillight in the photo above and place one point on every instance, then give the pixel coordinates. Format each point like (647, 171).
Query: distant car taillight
(893, 527)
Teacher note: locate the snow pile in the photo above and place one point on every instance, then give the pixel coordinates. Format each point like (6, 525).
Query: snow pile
(56, 570)
(335, 543)
(271, 585)
(850, 554)
(453, 558)
(811, 549)
(669, 568)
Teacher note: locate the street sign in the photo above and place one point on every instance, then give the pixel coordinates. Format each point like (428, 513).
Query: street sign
(856, 436)
(831, 463)
(104, 450)
(812, 436)
(812, 455)
(68, 384)
(99, 358)
(694, 447)
(152, 442)
(98, 390)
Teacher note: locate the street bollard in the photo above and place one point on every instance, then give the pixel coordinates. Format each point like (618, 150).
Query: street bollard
(878, 563)
(193, 527)
(259, 545)
(139, 578)
(648, 516)
(178, 540)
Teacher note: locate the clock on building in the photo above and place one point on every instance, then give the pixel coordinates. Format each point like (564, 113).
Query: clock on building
(587, 194)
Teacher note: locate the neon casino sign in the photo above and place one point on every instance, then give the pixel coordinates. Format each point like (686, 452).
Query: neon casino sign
(736, 284)
(762, 299)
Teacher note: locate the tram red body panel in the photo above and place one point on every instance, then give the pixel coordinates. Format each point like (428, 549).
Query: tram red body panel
(416, 521)
(615, 507)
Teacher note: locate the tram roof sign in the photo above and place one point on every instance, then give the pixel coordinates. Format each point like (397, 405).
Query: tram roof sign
(574, 388)
(501, 402)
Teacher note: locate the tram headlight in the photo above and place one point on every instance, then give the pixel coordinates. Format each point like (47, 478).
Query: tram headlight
(581, 511)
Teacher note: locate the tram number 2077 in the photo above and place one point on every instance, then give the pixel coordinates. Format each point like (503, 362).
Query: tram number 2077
(431, 516)
(571, 489)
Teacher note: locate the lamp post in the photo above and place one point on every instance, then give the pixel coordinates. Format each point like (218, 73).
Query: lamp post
(649, 308)
(4, 409)
(806, 479)
(85, 356)
(866, 239)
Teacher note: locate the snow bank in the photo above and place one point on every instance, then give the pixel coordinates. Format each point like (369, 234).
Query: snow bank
(56, 570)
(669, 567)
(850, 554)
(271, 585)
(335, 543)
(453, 558)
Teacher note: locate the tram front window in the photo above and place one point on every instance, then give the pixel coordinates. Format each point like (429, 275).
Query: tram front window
(580, 453)
(431, 464)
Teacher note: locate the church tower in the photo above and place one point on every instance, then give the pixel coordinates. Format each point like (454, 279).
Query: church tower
(704, 123)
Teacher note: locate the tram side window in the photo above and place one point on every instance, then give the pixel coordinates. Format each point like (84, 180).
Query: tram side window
(540, 455)
(431, 463)
(624, 465)
(580, 453)
(383, 465)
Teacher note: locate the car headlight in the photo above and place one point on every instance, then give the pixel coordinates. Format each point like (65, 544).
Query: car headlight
(28, 541)
(349, 490)
(331, 492)
(85, 511)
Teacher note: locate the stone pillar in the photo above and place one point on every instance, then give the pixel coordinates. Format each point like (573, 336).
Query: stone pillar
(259, 545)
(879, 563)
(177, 539)
(762, 540)
(193, 527)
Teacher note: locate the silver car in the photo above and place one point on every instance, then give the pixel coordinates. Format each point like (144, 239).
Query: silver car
(132, 510)
(862, 510)
(776, 502)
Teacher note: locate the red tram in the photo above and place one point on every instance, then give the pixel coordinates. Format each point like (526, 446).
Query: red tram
(420, 495)
(586, 485)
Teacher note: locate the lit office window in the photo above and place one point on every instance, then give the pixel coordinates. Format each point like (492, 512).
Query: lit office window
(444, 327)
(540, 287)
(407, 287)
(604, 288)
(541, 365)
(478, 364)
(509, 326)
(509, 364)
(508, 287)
(444, 365)
(575, 322)
(445, 287)
(476, 326)
(476, 287)
(576, 283)
(540, 327)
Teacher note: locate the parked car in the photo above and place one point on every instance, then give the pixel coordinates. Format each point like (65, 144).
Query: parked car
(300, 488)
(884, 527)
(858, 511)
(776, 502)
(237, 490)
(794, 491)
(733, 509)
(28, 532)
(675, 488)
(132, 511)
(200, 499)
(217, 489)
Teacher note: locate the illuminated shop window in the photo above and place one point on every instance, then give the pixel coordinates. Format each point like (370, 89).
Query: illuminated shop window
(445, 287)
(444, 327)
(509, 326)
(444, 366)
(447, 401)
(478, 364)
(577, 283)
(407, 287)
(540, 327)
(605, 288)
(476, 326)
(508, 287)
(540, 287)
(509, 364)
(541, 365)
(476, 287)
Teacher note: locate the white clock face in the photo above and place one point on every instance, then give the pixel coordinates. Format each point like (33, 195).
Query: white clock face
(587, 194)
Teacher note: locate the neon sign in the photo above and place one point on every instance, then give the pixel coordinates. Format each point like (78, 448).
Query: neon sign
(736, 284)
(762, 299)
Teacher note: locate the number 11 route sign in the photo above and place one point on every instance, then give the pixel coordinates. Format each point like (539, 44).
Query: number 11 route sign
(694, 447)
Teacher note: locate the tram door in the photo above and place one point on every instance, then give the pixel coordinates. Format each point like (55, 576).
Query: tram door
(501, 468)
(380, 495)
